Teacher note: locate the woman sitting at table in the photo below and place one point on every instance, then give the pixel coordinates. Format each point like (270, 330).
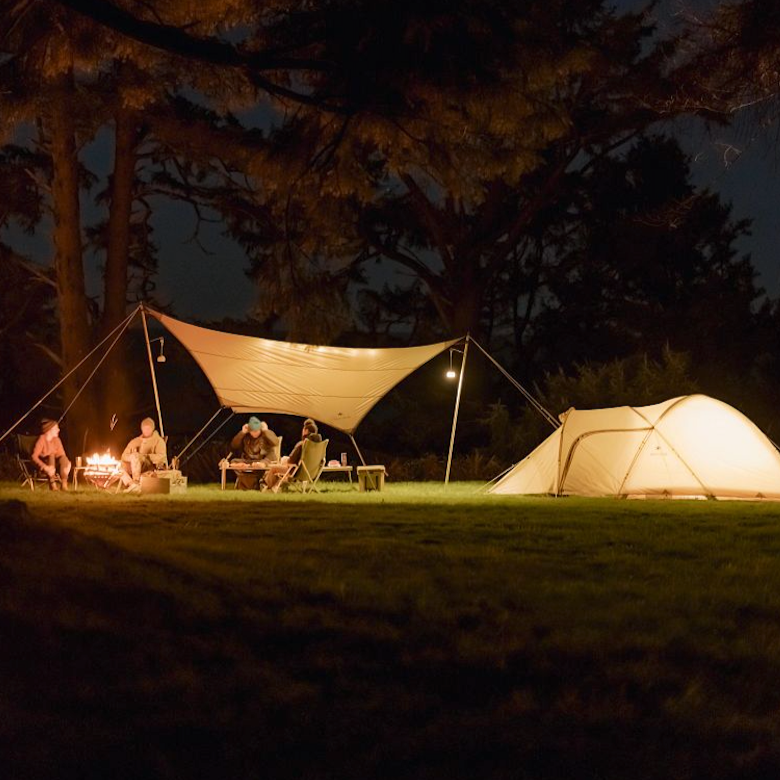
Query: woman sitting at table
(277, 471)
(254, 443)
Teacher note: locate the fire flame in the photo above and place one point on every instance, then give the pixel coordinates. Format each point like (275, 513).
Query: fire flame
(102, 462)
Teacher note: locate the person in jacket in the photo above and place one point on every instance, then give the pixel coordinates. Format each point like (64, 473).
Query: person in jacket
(254, 443)
(274, 475)
(143, 453)
(49, 454)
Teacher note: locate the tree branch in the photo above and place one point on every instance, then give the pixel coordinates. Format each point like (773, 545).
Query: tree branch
(213, 51)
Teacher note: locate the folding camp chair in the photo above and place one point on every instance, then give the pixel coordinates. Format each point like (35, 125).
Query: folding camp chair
(304, 475)
(29, 473)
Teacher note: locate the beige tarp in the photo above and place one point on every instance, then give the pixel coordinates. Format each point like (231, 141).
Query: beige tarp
(693, 446)
(337, 386)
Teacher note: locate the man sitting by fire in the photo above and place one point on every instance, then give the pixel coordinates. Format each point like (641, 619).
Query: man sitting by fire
(143, 453)
(49, 453)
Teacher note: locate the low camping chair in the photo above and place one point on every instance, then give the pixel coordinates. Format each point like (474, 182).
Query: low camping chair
(29, 473)
(303, 475)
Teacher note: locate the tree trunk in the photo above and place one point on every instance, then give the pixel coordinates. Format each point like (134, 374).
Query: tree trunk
(74, 327)
(115, 281)
(115, 382)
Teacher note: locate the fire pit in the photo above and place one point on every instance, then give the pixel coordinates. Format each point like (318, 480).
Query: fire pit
(102, 470)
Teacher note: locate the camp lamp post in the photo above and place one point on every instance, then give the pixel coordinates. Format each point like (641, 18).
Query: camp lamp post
(464, 351)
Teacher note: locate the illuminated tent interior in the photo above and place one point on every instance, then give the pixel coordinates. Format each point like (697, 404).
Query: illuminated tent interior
(337, 386)
(693, 446)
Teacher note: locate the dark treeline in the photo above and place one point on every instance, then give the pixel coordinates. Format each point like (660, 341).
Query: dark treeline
(396, 173)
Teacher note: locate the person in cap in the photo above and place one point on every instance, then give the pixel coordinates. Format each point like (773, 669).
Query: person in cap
(274, 474)
(49, 454)
(254, 443)
(143, 453)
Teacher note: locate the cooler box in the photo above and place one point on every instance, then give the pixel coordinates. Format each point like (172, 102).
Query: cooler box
(371, 478)
(170, 481)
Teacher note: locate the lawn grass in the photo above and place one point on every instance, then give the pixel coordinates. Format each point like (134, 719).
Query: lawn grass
(421, 632)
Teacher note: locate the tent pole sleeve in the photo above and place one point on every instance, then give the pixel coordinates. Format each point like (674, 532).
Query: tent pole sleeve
(195, 437)
(151, 369)
(455, 414)
(78, 365)
(357, 449)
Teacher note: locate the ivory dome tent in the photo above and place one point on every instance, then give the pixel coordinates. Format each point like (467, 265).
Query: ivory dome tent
(693, 446)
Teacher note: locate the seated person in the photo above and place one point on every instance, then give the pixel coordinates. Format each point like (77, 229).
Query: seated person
(48, 450)
(275, 473)
(254, 443)
(143, 453)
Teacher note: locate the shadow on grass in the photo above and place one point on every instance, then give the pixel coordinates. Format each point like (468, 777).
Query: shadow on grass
(119, 663)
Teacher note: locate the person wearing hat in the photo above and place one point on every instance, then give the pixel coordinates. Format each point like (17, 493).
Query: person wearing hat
(275, 474)
(254, 442)
(48, 450)
(143, 453)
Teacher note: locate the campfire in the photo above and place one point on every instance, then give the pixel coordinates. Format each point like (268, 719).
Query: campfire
(102, 470)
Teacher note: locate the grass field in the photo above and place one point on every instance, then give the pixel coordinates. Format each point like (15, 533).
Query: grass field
(416, 633)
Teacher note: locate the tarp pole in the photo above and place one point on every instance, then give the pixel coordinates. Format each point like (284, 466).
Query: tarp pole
(72, 371)
(151, 369)
(357, 449)
(455, 414)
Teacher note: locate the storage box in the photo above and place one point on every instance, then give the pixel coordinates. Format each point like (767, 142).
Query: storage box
(371, 478)
(170, 481)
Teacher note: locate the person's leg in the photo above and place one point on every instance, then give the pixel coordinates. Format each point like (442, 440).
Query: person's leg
(64, 469)
(50, 462)
(246, 481)
(274, 476)
(126, 477)
(136, 461)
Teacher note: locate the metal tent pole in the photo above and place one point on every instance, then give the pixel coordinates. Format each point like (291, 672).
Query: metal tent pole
(455, 414)
(357, 449)
(151, 369)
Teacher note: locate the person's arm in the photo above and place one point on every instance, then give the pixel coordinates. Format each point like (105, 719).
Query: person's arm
(237, 442)
(36, 457)
(295, 455)
(132, 446)
(270, 438)
(159, 453)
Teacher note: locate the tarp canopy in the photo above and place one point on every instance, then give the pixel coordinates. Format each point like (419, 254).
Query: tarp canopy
(337, 386)
(688, 447)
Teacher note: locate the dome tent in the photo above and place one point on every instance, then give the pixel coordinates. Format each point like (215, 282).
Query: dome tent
(687, 447)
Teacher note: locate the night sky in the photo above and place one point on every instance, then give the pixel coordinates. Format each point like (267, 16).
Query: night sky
(738, 162)
(208, 281)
